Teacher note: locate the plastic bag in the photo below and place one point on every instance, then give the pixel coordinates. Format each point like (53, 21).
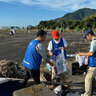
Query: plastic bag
(58, 90)
(48, 67)
(61, 64)
(82, 60)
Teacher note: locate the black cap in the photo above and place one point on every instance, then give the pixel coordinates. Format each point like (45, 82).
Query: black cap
(87, 32)
(41, 33)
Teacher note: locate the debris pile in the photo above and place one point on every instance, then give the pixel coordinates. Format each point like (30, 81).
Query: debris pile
(9, 69)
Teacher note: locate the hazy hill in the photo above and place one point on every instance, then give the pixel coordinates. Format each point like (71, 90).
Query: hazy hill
(78, 15)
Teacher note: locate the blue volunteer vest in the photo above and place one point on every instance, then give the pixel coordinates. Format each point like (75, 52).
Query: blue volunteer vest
(56, 50)
(92, 60)
(32, 59)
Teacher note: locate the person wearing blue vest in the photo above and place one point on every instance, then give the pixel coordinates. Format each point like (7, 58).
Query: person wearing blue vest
(56, 45)
(33, 56)
(89, 35)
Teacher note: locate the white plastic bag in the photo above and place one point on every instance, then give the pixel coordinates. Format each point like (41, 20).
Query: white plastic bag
(58, 89)
(61, 63)
(82, 60)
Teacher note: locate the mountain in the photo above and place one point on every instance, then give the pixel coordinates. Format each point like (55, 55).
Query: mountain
(78, 15)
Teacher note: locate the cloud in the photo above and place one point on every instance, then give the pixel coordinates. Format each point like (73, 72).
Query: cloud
(65, 5)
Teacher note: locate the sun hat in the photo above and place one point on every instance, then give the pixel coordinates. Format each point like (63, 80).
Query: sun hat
(55, 34)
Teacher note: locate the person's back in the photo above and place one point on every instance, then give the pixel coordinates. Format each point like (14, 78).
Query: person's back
(84, 29)
(78, 29)
(61, 30)
(12, 32)
(32, 59)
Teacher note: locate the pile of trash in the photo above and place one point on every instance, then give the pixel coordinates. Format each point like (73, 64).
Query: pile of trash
(10, 69)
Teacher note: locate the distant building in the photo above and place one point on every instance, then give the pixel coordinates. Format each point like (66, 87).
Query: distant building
(12, 27)
(23, 28)
(4, 27)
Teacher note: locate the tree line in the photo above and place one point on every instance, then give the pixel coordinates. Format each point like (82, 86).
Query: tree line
(87, 22)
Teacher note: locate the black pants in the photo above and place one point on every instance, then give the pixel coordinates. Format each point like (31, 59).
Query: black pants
(35, 74)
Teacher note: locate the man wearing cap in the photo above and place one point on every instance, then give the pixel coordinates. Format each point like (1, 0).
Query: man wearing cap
(89, 35)
(56, 45)
(33, 56)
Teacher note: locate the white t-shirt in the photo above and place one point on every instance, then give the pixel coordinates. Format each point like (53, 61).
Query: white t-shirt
(93, 46)
(57, 42)
(13, 31)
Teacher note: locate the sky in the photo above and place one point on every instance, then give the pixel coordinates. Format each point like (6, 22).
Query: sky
(31, 12)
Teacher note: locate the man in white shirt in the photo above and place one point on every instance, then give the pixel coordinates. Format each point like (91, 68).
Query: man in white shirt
(55, 47)
(56, 44)
(12, 32)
